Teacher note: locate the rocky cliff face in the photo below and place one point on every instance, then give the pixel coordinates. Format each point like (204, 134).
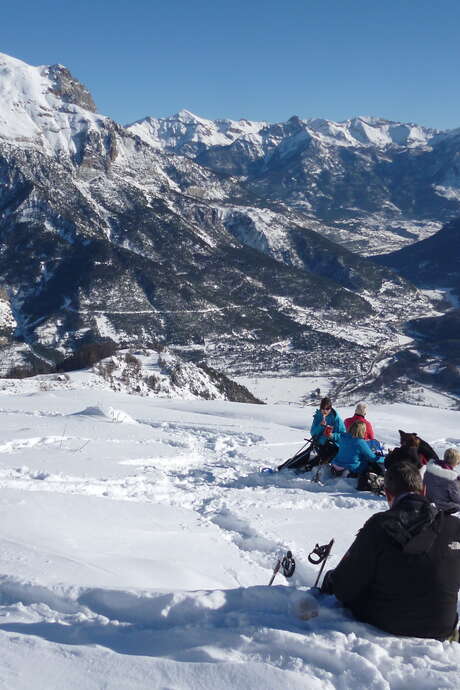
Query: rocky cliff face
(68, 89)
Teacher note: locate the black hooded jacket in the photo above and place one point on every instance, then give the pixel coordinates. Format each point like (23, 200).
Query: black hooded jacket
(402, 572)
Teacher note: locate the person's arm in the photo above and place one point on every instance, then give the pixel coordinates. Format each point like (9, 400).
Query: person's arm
(453, 494)
(366, 453)
(339, 428)
(370, 430)
(356, 570)
(316, 427)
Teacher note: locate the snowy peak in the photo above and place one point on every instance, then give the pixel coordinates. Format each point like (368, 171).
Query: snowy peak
(382, 133)
(69, 89)
(188, 117)
(188, 134)
(43, 107)
(27, 83)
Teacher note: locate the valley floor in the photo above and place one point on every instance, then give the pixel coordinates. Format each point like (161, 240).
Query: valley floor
(137, 538)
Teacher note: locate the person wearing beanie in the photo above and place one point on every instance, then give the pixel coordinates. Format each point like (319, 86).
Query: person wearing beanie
(442, 481)
(360, 416)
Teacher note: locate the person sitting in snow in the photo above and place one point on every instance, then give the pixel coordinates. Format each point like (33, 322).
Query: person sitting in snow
(360, 416)
(402, 572)
(354, 455)
(326, 429)
(442, 482)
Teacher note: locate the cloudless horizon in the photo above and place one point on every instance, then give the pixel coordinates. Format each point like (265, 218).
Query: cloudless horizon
(259, 59)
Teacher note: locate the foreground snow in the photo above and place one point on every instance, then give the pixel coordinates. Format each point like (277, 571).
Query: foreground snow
(137, 537)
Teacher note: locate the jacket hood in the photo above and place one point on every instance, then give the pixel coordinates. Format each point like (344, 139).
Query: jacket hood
(413, 523)
(434, 467)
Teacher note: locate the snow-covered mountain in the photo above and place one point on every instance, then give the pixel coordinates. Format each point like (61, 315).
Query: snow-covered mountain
(373, 185)
(189, 134)
(434, 263)
(105, 235)
(45, 108)
(166, 375)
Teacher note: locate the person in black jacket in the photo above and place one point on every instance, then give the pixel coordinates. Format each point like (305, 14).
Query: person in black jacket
(402, 572)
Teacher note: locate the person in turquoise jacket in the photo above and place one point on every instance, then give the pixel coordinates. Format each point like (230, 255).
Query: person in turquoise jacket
(327, 424)
(354, 452)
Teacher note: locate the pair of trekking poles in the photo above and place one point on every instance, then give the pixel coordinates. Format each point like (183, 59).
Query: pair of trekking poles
(318, 555)
(302, 461)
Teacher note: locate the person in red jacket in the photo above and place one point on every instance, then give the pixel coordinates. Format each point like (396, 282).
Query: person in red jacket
(360, 416)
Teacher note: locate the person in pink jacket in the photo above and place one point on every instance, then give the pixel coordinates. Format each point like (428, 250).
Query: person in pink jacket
(360, 416)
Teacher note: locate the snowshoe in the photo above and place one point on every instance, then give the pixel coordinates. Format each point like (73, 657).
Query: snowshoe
(376, 484)
(371, 481)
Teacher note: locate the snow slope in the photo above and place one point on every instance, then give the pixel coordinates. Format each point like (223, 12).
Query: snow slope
(137, 538)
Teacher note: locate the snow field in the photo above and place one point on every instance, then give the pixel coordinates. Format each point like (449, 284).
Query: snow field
(138, 536)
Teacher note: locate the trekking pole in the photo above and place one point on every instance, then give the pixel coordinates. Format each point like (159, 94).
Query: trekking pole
(275, 570)
(320, 554)
(286, 463)
(287, 563)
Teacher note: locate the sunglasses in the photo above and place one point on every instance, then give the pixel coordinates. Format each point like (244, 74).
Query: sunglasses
(325, 409)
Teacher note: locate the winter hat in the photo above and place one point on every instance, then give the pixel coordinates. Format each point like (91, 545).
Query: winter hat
(361, 409)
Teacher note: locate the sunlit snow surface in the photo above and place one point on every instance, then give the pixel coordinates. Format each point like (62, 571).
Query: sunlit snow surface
(137, 538)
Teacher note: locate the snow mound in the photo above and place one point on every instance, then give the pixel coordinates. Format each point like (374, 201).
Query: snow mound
(90, 411)
(119, 416)
(110, 413)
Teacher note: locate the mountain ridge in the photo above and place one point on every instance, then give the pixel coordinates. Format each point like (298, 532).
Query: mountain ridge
(359, 130)
(105, 236)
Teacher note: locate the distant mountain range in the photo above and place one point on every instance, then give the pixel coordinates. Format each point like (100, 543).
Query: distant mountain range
(373, 184)
(229, 241)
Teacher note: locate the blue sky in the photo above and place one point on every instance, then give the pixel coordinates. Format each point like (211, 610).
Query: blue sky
(259, 59)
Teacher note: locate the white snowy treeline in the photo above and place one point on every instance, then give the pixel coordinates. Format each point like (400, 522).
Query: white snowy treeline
(144, 372)
(155, 374)
(160, 375)
(137, 538)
